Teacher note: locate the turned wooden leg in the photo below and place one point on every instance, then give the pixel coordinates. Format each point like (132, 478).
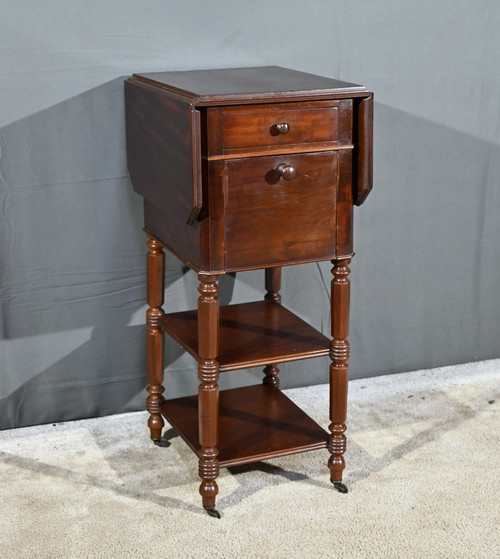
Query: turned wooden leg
(339, 354)
(208, 392)
(154, 336)
(273, 286)
(271, 373)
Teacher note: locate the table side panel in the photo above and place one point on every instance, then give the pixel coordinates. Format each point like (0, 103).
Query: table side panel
(164, 161)
(363, 155)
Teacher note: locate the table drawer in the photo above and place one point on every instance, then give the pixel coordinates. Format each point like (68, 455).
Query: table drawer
(279, 209)
(265, 125)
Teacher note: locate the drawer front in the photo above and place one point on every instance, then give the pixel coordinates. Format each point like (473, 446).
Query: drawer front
(279, 209)
(271, 126)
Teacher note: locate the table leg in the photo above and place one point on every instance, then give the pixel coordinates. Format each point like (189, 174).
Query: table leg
(339, 369)
(273, 286)
(208, 392)
(154, 336)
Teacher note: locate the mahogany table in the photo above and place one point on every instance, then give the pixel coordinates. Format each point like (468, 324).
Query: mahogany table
(247, 168)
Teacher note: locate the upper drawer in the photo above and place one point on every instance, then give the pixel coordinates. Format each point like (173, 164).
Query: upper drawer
(267, 126)
(240, 129)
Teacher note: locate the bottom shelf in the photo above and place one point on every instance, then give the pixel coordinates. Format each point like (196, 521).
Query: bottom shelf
(255, 423)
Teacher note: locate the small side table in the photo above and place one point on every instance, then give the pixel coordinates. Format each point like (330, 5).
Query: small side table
(240, 169)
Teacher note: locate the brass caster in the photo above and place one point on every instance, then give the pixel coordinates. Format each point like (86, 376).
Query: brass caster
(340, 487)
(212, 511)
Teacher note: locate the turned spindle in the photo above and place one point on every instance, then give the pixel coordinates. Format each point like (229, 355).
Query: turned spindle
(154, 336)
(273, 286)
(339, 369)
(208, 392)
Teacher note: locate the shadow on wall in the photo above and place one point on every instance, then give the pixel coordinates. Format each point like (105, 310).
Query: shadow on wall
(425, 276)
(72, 280)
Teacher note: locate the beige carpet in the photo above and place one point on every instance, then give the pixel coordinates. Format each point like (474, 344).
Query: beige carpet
(423, 473)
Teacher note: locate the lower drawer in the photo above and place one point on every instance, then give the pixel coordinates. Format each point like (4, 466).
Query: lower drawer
(279, 209)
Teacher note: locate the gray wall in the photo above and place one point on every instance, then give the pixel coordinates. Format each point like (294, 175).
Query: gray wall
(426, 275)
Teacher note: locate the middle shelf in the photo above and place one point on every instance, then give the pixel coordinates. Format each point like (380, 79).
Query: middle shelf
(251, 335)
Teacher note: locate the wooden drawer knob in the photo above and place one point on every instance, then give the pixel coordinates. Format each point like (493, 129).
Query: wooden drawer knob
(288, 172)
(280, 128)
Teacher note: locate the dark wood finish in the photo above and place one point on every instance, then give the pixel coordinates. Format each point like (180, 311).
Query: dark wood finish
(243, 169)
(257, 125)
(242, 86)
(255, 130)
(181, 149)
(208, 392)
(271, 373)
(273, 284)
(339, 369)
(344, 209)
(216, 217)
(163, 150)
(154, 336)
(273, 287)
(364, 151)
(176, 235)
(262, 207)
(251, 335)
(255, 423)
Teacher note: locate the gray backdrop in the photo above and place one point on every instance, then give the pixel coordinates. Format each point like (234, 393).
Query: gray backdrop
(72, 286)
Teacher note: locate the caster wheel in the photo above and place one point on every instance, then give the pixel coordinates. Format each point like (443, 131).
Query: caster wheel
(340, 487)
(162, 442)
(212, 511)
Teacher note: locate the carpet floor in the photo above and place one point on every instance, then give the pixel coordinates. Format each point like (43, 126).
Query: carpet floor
(423, 470)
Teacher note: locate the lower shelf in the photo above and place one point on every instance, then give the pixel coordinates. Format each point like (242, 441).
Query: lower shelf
(255, 423)
(251, 335)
